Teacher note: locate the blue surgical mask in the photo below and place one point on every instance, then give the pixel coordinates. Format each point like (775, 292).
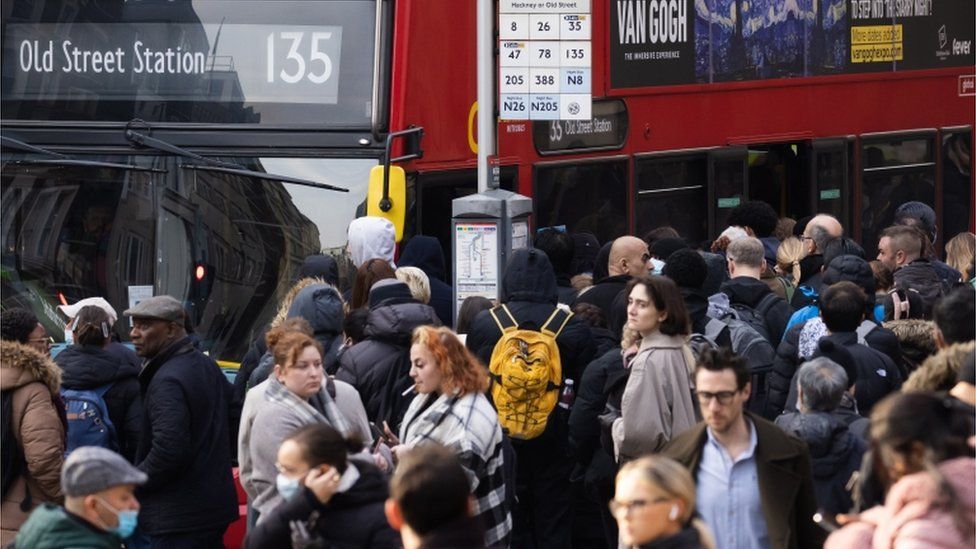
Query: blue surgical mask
(128, 519)
(287, 487)
(69, 336)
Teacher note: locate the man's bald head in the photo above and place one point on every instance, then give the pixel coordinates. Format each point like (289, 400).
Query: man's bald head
(821, 229)
(628, 255)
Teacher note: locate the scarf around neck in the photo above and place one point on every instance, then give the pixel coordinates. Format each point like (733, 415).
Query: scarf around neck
(328, 412)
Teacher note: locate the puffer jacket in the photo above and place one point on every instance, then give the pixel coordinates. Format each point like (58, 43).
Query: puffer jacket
(425, 253)
(788, 361)
(86, 367)
(911, 517)
(389, 327)
(835, 455)
(938, 372)
(38, 425)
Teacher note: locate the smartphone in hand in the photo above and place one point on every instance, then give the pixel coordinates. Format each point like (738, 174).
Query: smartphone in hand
(378, 436)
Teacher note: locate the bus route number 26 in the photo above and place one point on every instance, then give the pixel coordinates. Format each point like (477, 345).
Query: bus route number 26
(304, 59)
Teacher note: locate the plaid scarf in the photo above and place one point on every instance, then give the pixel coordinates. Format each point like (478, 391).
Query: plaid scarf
(321, 407)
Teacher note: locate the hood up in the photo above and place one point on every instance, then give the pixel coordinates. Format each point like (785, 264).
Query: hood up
(529, 277)
(321, 305)
(20, 365)
(371, 237)
(425, 253)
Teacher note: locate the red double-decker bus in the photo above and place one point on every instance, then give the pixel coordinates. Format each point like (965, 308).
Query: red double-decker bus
(195, 148)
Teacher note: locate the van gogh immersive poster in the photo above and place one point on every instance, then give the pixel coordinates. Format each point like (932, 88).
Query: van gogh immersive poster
(664, 42)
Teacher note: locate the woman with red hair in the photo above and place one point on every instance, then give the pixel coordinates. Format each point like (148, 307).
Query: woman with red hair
(451, 409)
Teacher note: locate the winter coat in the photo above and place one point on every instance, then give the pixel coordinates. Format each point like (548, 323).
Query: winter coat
(52, 527)
(784, 478)
(915, 340)
(811, 280)
(463, 533)
(835, 454)
(919, 275)
(37, 424)
(603, 293)
(352, 518)
(86, 367)
(185, 448)
(657, 403)
(687, 538)
(748, 291)
(911, 517)
(697, 305)
(938, 372)
(468, 425)
(947, 274)
(367, 365)
(529, 291)
(594, 464)
(877, 375)
(788, 361)
(277, 424)
(846, 413)
(425, 253)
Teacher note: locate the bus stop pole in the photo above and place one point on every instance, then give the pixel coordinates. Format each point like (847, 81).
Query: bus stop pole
(486, 90)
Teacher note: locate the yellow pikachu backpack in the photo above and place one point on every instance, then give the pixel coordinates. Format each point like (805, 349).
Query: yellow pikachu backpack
(526, 373)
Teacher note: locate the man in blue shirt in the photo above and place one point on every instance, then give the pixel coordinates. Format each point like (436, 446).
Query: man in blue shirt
(754, 484)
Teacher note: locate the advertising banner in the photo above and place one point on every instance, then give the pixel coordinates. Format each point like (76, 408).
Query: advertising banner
(668, 42)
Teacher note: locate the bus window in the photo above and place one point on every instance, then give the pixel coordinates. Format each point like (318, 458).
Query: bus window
(728, 185)
(829, 169)
(895, 170)
(672, 191)
(583, 196)
(68, 234)
(957, 183)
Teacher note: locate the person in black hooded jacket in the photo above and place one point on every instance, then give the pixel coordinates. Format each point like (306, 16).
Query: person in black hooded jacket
(369, 365)
(544, 464)
(687, 268)
(425, 253)
(89, 364)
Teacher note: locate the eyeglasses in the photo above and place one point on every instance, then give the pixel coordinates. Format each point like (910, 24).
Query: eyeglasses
(723, 397)
(805, 237)
(617, 506)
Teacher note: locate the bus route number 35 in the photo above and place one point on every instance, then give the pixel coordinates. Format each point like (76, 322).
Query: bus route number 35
(305, 58)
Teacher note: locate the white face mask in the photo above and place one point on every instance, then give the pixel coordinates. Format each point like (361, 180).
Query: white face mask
(69, 336)
(657, 266)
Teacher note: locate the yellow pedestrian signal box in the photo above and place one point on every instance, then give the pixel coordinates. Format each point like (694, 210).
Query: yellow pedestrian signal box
(388, 199)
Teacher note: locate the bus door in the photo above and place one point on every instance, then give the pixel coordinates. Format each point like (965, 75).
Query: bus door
(672, 190)
(728, 178)
(829, 171)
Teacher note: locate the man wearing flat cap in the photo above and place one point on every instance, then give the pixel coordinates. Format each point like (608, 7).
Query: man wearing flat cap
(100, 506)
(189, 498)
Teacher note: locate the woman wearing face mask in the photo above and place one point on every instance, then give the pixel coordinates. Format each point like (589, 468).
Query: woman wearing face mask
(922, 457)
(329, 499)
(452, 410)
(654, 506)
(657, 402)
(295, 397)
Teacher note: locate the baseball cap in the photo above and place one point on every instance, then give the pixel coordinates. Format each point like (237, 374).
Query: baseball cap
(71, 311)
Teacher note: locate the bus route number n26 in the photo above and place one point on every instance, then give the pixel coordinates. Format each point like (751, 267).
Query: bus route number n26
(294, 56)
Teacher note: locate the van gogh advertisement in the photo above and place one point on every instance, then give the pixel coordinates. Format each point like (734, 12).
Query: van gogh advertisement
(665, 42)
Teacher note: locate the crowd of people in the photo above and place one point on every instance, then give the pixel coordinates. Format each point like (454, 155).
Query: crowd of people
(774, 388)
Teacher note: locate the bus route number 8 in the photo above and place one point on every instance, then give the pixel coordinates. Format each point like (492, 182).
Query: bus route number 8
(295, 66)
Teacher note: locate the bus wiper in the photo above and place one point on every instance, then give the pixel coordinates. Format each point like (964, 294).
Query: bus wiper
(60, 160)
(266, 176)
(17, 144)
(209, 164)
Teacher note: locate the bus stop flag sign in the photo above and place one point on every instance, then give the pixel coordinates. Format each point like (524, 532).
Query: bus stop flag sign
(545, 60)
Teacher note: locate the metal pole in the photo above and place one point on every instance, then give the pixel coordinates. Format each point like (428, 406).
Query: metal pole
(486, 90)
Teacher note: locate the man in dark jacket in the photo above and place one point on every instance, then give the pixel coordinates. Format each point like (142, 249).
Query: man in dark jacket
(687, 268)
(629, 257)
(544, 514)
(189, 498)
(371, 366)
(746, 289)
(900, 249)
(922, 216)
(842, 310)
(425, 253)
(800, 342)
(753, 480)
(834, 451)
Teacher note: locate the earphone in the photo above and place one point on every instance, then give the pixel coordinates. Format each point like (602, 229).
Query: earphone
(673, 515)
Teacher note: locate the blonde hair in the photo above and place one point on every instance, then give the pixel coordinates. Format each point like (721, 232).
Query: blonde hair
(673, 480)
(961, 253)
(417, 281)
(788, 257)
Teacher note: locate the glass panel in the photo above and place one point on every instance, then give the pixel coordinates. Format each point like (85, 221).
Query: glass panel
(829, 173)
(897, 153)
(584, 197)
(209, 61)
(883, 192)
(71, 233)
(684, 207)
(957, 184)
(728, 178)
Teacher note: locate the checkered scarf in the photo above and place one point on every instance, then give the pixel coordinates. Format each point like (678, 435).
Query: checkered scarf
(321, 407)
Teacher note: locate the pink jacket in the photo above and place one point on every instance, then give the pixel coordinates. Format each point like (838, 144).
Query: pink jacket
(908, 519)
